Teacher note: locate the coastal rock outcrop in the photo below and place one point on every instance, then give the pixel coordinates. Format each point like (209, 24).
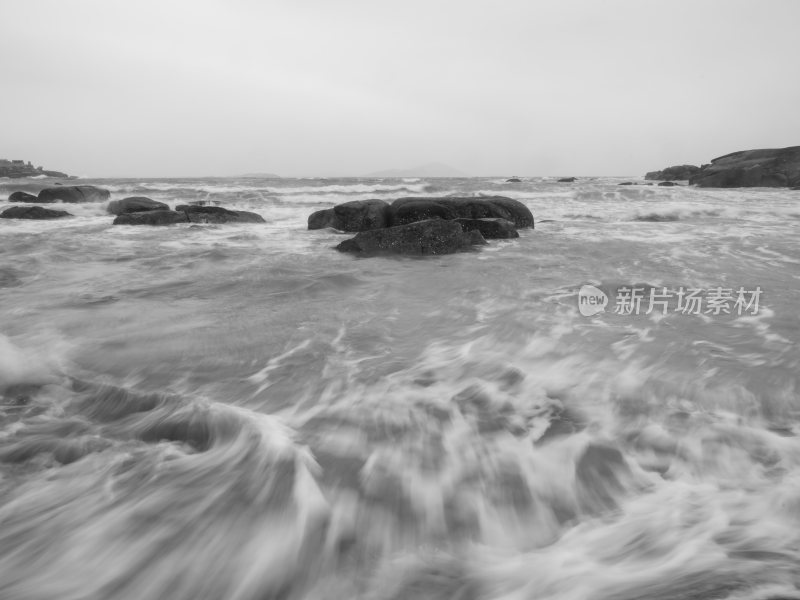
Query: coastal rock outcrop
(432, 236)
(134, 204)
(32, 212)
(186, 213)
(674, 173)
(490, 229)
(17, 169)
(73, 194)
(409, 210)
(752, 168)
(667, 184)
(217, 214)
(357, 215)
(152, 217)
(21, 197)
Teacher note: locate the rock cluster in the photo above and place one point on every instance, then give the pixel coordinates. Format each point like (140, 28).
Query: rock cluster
(423, 225)
(135, 210)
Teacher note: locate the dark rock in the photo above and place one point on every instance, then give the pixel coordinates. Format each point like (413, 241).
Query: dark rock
(491, 229)
(204, 203)
(656, 218)
(513, 180)
(358, 215)
(409, 210)
(21, 197)
(134, 204)
(667, 183)
(73, 194)
(217, 214)
(433, 236)
(679, 172)
(152, 217)
(626, 183)
(795, 187)
(32, 212)
(752, 168)
(567, 180)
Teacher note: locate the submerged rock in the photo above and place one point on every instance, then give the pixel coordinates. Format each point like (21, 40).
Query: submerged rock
(73, 194)
(410, 210)
(656, 218)
(432, 236)
(134, 204)
(513, 180)
(602, 477)
(152, 217)
(679, 172)
(752, 168)
(21, 197)
(358, 215)
(567, 180)
(217, 214)
(491, 229)
(32, 212)
(667, 183)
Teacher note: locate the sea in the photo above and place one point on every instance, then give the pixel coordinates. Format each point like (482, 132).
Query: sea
(606, 408)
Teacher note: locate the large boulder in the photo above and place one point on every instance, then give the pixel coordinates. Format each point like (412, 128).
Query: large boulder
(32, 212)
(73, 194)
(21, 197)
(357, 215)
(675, 173)
(433, 236)
(752, 168)
(409, 210)
(491, 229)
(217, 214)
(152, 217)
(134, 204)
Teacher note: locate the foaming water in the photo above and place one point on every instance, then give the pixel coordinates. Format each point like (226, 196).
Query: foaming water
(208, 411)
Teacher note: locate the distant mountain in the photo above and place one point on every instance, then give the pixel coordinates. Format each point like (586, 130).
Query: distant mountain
(261, 175)
(429, 170)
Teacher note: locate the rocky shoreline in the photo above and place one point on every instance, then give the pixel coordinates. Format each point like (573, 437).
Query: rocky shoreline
(772, 167)
(411, 226)
(19, 169)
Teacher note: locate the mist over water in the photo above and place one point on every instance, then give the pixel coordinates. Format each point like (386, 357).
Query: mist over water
(241, 412)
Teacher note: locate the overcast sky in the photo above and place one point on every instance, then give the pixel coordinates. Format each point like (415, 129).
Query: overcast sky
(304, 88)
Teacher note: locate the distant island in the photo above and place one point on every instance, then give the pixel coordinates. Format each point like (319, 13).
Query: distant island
(429, 170)
(15, 169)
